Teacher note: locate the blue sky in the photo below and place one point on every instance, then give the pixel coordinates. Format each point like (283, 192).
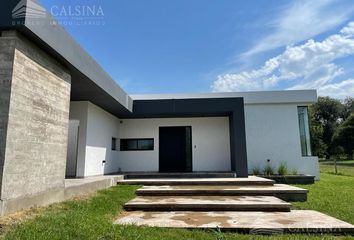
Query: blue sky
(159, 46)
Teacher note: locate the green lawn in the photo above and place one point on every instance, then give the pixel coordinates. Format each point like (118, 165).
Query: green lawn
(92, 218)
(333, 195)
(344, 167)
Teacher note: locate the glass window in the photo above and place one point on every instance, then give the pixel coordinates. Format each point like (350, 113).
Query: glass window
(304, 131)
(114, 144)
(137, 144)
(131, 144)
(146, 144)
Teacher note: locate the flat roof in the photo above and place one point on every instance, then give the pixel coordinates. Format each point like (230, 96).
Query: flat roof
(256, 97)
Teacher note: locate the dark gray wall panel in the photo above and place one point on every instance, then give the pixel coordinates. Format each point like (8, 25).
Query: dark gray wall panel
(238, 144)
(205, 107)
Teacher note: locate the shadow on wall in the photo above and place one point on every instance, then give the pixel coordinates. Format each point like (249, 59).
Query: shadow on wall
(100, 160)
(97, 160)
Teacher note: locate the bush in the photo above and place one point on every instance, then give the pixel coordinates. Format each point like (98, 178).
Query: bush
(256, 171)
(282, 169)
(268, 170)
(294, 172)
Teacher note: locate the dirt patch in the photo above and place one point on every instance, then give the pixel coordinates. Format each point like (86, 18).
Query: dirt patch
(29, 214)
(197, 219)
(21, 216)
(285, 221)
(147, 215)
(122, 215)
(83, 197)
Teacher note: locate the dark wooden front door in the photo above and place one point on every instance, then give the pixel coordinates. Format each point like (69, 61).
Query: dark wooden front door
(175, 149)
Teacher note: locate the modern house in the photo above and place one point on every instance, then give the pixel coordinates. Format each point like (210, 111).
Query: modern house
(220, 132)
(62, 115)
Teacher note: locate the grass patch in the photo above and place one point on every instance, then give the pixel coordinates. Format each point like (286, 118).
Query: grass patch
(77, 219)
(332, 195)
(91, 218)
(345, 168)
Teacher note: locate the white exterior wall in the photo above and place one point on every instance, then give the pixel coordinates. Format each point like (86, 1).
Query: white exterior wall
(79, 111)
(272, 132)
(210, 143)
(96, 129)
(71, 157)
(101, 126)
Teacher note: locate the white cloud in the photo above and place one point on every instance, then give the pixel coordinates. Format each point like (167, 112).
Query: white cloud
(348, 30)
(338, 90)
(301, 21)
(309, 65)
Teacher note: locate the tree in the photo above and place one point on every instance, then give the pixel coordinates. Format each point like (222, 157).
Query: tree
(319, 148)
(348, 107)
(337, 152)
(344, 136)
(327, 113)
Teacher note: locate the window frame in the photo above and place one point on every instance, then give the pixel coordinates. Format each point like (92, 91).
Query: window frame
(308, 143)
(123, 146)
(114, 144)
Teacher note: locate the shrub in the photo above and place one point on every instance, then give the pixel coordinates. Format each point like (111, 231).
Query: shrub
(282, 169)
(268, 170)
(256, 171)
(294, 172)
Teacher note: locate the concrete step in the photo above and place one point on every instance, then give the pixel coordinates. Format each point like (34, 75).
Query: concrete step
(282, 191)
(179, 175)
(296, 221)
(251, 180)
(207, 203)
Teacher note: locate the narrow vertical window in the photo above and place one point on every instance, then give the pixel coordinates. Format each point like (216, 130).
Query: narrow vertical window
(114, 144)
(304, 131)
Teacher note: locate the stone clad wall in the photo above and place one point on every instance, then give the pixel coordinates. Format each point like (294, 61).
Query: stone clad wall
(37, 128)
(7, 49)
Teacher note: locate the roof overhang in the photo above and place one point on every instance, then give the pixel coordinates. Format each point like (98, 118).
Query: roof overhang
(261, 97)
(193, 107)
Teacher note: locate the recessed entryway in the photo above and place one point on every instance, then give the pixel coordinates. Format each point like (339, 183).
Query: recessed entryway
(175, 149)
(71, 160)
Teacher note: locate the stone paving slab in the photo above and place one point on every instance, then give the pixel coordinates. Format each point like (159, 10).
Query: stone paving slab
(296, 221)
(218, 189)
(207, 203)
(251, 180)
(282, 191)
(152, 175)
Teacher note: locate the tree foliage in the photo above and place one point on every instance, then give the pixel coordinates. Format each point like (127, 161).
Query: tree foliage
(330, 133)
(325, 117)
(319, 148)
(348, 105)
(344, 136)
